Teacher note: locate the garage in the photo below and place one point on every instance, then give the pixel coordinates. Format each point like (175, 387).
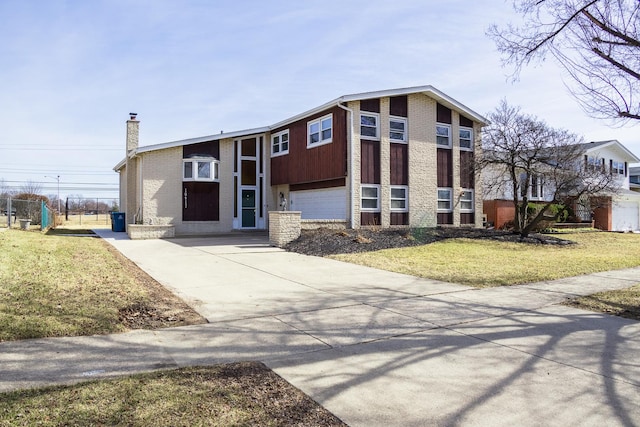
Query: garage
(326, 203)
(625, 216)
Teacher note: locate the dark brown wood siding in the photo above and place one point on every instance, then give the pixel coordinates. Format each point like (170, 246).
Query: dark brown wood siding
(466, 169)
(399, 164)
(445, 168)
(202, 203)
(467, 218)
(445, 218)
(371, 105)
(370, 159)
(340, 182)
(466, 122)
(398, 106)
(209, 148)
(399, 218)
(370, 218)
(444, 114)
(320, 163)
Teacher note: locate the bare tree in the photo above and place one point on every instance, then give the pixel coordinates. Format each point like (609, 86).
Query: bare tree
(596, 41)
(523, 158)
(31, 187)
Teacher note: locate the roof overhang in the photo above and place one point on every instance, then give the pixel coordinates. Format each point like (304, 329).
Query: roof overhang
(428, 90)
(614, 142)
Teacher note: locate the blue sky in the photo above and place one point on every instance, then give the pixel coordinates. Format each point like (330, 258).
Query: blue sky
(71, 71)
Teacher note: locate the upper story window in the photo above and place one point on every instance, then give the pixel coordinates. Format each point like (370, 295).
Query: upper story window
(320, 131)
(200, 169)
(594, 162)
(399, 198)
(443, 135)
(370, 125)
(466, 139)
(398, 129)
(617, 167)
(280, 143)
(466, 201)
(536, 188)
(370, 198)
(445, 200)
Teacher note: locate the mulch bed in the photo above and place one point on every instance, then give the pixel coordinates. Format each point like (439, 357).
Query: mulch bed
(322, 242)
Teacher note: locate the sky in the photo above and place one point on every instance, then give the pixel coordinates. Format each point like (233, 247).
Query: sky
(72, 71)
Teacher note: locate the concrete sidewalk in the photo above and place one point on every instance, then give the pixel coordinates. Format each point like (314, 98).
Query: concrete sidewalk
(373, 347)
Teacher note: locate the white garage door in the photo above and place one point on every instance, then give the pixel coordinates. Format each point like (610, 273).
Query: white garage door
(328, 203)
(625, 216)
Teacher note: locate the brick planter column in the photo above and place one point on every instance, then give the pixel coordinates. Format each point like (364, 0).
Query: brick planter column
(284, 227)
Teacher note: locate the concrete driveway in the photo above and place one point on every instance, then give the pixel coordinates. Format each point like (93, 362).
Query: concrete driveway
(373, 347)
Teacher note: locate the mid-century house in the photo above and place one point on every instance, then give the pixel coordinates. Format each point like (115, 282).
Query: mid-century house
(397, 157)
(615, 212)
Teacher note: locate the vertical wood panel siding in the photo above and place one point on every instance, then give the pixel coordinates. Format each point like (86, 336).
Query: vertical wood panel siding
(466, 122)
(399, 164)
(370, 218)
(399, 218)
(370, 159)
(331, 183)
(466, 169)
(209, 148)
(445, 218)
(445, 168)
(321, 163)
(371, 105)
(444, 114)
(203, 201)
(467, 218)
(398, 106)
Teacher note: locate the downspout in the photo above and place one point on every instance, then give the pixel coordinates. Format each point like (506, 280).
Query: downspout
(140, 191)
(351, 162)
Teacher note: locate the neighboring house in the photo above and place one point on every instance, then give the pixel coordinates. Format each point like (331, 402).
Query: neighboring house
(634, 178)
(618, 212)
(398, 157)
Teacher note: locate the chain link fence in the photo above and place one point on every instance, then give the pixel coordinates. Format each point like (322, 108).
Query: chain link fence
(25, 213)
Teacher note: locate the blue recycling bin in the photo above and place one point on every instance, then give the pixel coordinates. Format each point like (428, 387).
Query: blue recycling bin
(118, 222)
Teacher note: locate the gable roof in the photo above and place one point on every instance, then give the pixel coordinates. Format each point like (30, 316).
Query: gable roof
(428, 90)
(593, 146)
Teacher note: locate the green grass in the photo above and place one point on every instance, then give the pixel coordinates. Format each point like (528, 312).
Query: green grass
(623, 302)
(61, 286)
(244, 394)
(483, 263)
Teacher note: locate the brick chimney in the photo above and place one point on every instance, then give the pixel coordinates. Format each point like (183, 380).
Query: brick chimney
(133, 131)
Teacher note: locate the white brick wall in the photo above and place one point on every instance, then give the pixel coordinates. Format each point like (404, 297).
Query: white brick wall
(284, 227)
(423, 178)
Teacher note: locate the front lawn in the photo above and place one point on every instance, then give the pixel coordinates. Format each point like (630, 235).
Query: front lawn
(56, 285)
(238, 394)
(487, 263)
